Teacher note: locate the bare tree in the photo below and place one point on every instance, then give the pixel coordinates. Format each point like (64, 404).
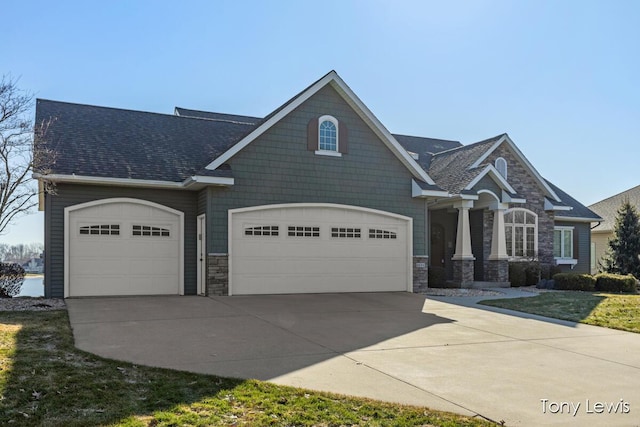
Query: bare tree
(22, 151)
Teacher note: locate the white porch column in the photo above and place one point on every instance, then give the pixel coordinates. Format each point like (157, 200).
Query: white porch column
(463, 236)
(498, 240)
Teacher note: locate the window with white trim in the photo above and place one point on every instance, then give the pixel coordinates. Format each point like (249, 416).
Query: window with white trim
(262, 230)
(501, 167)
(328, 134)
(563, 242)
(149, 231)
(521, 232)
(101, 230)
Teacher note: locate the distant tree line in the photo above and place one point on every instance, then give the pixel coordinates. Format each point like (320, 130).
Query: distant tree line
(20, 251)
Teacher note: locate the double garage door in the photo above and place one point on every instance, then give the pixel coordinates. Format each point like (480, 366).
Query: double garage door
(318, 248)
(134, 247)
(123, 247)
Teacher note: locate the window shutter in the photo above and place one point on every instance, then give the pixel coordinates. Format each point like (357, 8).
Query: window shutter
(576, 245)
(312, 134)
(343, 138)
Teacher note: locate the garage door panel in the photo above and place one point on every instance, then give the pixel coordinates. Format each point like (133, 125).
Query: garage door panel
(124, 263)
(348, 259)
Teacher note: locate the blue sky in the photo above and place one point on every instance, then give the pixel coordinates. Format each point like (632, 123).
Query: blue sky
(561, 77)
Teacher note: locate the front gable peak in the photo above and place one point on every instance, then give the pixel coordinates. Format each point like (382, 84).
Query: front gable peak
(333, 79)
(504, 139)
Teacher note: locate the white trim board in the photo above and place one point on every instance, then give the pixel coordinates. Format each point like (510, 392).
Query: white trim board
(129, 182)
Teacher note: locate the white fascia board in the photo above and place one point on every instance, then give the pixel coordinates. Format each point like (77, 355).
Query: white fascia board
(549, 206)
(493, 172)
(524, 160)
(416, 191)
(352, 100)
(208, 180)
(127, 182)
(578, 219)
(506, 198)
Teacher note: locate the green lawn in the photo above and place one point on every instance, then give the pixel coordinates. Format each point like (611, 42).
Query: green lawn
(46, 381)
(614, 311)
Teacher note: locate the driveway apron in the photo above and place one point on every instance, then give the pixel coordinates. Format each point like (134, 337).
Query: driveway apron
(443, 353)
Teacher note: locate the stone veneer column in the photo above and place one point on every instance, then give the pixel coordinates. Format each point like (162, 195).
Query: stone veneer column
(463, 258)
(218, 274)
(498, 265)
(420, 273)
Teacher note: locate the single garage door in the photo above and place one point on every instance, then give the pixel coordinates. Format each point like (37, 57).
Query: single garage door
(123, 247)
(318, 248)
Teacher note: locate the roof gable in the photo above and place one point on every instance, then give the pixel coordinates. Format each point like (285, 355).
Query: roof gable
(354, 102)
(506, 140)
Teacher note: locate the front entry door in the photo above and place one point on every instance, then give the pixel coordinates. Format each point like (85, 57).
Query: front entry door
(202, 254)
(437, 246)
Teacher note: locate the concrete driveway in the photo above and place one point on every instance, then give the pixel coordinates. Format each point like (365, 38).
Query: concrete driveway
(443, 353)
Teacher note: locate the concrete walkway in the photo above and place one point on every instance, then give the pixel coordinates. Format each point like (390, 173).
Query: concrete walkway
(443, 353)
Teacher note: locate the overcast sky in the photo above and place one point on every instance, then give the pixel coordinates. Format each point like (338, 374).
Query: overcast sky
(562, 78)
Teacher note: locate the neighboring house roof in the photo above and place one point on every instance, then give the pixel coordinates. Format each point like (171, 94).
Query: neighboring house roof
(116, 143)
(608, 208)
(578, 210)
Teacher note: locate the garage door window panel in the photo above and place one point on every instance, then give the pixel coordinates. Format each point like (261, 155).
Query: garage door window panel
(375, 233)
(100, 230)
(262, 230)
(150, 231)
(346, 232)
(303, 231)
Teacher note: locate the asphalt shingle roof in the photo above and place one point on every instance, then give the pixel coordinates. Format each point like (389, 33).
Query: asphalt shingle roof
(110, 142)
(579, 210)
(425, 147)
(608, 208)
(185, 112)
(450, 169)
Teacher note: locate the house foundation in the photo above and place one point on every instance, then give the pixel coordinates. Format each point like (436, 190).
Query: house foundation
(218, 274)
(463, 272)
(420, 273)
(497, 271)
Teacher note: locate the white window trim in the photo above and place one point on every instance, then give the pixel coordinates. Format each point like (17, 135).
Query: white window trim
(564, 259)
(336, 152)
(535, 242)
(501, 159)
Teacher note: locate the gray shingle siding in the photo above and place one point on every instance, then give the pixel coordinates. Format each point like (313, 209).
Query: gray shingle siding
(583, 232)
(69, 195)
(486, 183)
(278, 168)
